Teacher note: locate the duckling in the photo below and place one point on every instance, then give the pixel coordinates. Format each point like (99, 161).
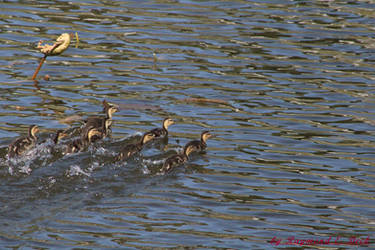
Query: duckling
(200, 145)
(80, 144)
(108, 109)
(100, 132)
(99, 122)
(59, 135)
(177, 159)
(75, 146)
(163, 131)
(107, 105)
(49, 145)
(23, 144)
(132, 149)
(56, 138)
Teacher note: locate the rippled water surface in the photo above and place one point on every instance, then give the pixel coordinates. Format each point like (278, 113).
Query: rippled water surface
(286, 87)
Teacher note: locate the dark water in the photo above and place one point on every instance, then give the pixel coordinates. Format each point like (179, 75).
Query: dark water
(289, 93)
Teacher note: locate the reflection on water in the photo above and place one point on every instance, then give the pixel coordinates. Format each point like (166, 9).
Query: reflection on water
(286, 87)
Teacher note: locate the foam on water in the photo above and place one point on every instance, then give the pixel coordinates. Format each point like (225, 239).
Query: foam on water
(76, 170)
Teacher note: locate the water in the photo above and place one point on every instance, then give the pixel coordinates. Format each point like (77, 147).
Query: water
(287, 87)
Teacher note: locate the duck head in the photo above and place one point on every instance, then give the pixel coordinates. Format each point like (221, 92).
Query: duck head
(167, 122)
(33, 129)
(205, 135)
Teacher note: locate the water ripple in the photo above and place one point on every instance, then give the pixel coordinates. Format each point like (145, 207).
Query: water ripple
(286, 87)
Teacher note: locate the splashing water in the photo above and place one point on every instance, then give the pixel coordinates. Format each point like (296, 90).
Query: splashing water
(75, 170)
(145, 169)
(153, 162)
(94, 165)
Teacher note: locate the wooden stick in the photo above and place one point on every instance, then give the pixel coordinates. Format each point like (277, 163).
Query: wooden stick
(54, 46)
(39, 66)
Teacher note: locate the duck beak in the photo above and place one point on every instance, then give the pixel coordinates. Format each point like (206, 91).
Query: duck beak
(62, 135)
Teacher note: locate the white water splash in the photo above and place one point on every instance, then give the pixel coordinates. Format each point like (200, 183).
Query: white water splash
(75, 170)
(103, 151)
(153, 162)
(10, 170)
(145, 169)
(94, 166)
(127, 137)
(26, 169)
(21, 164)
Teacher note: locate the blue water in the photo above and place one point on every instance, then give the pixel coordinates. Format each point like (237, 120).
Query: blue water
(286, 87)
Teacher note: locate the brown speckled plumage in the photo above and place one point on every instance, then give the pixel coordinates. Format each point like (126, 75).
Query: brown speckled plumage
(131, 149)
(163, 131)
(80, 144)
(23, 144)
(177, 159)
(200, 145)
(102, 123)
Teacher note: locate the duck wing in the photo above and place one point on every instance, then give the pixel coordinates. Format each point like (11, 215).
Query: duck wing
(20, 145)
(159, 132)
(172, 162)
(128, 151)
(94, 121)
(197, 145)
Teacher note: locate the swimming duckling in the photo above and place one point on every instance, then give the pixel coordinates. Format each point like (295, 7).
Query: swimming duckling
(49, 145)
(163, 131)
(80, 144)
(200, 145)
(99, 122)
(23, 144)
(132, 149)
(107, 105)
(100, 132)
(56, 138)
(59, 135)
(108, 109)
(177, 159)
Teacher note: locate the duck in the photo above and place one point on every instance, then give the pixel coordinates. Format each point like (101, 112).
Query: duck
(98, 133)
(108, 109)
(100, 122)
(55, 139)
(49, 145)
(163, 131)
(23, 144)
(58, 136)
(177, 159)
(80, 144)
(131, 149)
(200, 145)
(107, 105)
